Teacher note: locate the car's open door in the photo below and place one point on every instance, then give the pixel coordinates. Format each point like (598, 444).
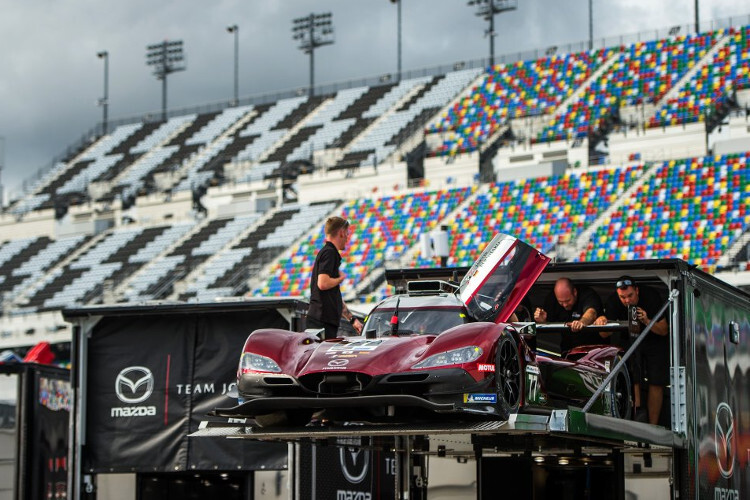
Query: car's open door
(499, 279)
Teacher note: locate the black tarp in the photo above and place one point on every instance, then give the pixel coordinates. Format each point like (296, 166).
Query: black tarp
(151, 379)
(347, 470)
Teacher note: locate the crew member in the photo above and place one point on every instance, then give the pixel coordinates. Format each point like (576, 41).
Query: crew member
(576, 305)
(652, 355)
(326, 305)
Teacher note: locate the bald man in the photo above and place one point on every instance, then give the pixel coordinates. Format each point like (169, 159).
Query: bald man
(576, 305)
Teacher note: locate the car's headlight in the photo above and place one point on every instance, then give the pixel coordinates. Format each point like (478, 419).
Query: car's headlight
(455, 357)
(250, 362)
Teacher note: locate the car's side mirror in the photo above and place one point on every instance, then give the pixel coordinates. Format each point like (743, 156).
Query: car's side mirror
(318, 332)
(526, 328)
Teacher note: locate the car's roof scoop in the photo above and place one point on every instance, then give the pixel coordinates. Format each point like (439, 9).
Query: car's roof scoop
(500, 278)
(430, 287)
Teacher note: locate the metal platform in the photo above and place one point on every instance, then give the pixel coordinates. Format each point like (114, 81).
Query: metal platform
(516, 424)
(570, 424)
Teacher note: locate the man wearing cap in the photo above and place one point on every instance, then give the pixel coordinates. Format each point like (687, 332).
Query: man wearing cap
(576, 305)
(653, 353)
(326, 304)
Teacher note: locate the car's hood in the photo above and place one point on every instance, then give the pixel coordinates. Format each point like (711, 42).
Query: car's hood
(500, 278)
(372, 356)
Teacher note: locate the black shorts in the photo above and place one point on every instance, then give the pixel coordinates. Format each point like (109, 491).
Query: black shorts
(654, 359)
(331, 331)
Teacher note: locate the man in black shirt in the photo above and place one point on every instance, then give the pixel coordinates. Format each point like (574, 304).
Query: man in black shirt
(326, 305)
(653, 353)
(576, 305)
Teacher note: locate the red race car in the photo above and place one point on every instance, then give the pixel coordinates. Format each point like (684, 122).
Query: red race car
(440, 350)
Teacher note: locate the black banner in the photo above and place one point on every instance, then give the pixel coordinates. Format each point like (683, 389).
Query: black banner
(51, 421)
(152, 379)
(347, 471)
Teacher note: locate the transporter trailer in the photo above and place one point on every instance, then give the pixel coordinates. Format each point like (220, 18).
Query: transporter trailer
(699, 450)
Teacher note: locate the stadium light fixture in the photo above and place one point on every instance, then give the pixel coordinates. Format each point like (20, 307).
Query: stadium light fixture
(166, 57)
(104, 101)
(234, 29)
(313, 31)
(487, 9)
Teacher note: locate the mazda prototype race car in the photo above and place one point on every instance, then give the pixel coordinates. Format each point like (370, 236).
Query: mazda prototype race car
(439, 350)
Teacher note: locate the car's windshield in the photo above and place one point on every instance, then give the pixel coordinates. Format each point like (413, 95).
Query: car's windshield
(423, 321)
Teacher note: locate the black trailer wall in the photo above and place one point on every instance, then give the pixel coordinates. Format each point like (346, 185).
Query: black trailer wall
(40, 420)
(148, 376)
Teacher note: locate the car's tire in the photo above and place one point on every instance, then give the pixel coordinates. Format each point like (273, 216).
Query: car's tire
(508, 376)
(620, 392)
(289, 418)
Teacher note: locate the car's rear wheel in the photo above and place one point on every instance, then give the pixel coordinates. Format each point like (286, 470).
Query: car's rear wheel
(286, 418)
(508, 379)
(620, 392)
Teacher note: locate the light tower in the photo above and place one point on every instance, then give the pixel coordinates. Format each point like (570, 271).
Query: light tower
(487, 9)
(166, 57)
(313, 31)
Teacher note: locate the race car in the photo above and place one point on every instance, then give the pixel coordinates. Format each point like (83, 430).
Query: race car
(440, 350)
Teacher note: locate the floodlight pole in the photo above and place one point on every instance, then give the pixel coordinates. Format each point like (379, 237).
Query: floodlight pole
(104, 101)
(487, 10)
(697, 18)
(312, 31)
(236, 31)
(398, 22)
(312, 55)
(166, 57)
(591, 24)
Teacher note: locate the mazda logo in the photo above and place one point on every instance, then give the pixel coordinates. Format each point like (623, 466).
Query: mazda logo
(134, 384)
(338, 362)
(354, 464)
(724, 439)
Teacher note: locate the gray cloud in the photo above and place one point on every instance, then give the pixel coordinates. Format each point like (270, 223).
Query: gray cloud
(51, 78)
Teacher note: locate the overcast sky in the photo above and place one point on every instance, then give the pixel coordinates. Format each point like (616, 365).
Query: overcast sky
(50, 77)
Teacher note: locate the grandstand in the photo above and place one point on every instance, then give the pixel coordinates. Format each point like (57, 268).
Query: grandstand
(632, 151)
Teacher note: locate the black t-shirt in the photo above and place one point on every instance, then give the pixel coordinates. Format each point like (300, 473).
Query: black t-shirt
(326, 305)
(587, 298)
(648, 299)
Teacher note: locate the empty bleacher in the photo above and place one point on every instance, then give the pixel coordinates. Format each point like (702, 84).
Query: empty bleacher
(691, 209)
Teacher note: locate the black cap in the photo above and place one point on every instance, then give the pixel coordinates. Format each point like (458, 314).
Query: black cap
(624, 282)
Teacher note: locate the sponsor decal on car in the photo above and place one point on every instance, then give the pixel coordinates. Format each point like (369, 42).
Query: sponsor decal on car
(483, 367)
(358, 346)
(338, 363)
(480, 398)
(532, 369)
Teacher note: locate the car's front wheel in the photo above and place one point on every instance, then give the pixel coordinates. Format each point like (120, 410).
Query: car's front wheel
(508, 379)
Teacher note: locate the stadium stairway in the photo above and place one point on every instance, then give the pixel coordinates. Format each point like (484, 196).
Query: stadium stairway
(120, 290)
(577, 95)
(707, 59)
(130, 176)
(580, 243)
(26, 294)
(256, 281)
(733, 253)
(190, 168)
(382, 118)
(192, 277)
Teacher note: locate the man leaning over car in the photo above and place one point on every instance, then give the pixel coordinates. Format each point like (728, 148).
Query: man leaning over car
(578, 306)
